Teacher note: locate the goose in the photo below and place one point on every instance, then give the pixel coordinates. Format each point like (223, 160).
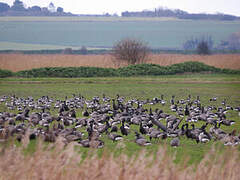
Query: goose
(203, 137)
(123, 129)
(141, 140)
(141, 129)
(219, 133)
(224, 102)
(154, 133)
(213, 99)
(115, 107)
(85, 143)
(135, 120)
(163, 102)
(227, 122)
(32, 136)
(114, 129)
(85, 113)
(186, 112)
(175, 142)
(181, 131)
(114, 137)
(103, 128)
(191, 134)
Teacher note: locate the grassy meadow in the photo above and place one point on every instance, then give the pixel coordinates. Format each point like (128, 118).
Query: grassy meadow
(125, 159)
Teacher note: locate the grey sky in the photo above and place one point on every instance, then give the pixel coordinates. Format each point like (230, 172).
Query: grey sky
(113, 6)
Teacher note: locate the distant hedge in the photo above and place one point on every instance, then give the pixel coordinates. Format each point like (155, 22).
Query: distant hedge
(68, 72)
(5, 73)
(132, 70)
(154, 69)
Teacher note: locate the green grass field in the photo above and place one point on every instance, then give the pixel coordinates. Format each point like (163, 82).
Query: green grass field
(104, 32)
(206, 86)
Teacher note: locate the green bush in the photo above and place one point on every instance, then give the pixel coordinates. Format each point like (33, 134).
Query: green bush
(132, 70)
(68, 72)
(5, 73)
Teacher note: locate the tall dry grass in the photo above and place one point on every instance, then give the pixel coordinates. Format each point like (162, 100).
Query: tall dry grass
(17, 62)
(64, 163)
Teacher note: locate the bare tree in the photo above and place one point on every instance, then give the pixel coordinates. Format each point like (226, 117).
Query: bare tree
(132, 51)
(83, 50)
(203, 48)
(234, 41)
(194, 42)
(67, 51)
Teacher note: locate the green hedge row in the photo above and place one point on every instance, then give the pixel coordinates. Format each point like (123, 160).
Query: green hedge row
(5, 73)
(67, 72)
(132, 70)
(153, 69)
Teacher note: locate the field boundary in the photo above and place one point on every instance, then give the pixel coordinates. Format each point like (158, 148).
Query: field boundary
(127, 71)
(114, 82)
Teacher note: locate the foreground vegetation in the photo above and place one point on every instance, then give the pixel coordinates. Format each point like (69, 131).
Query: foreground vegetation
(57, 162)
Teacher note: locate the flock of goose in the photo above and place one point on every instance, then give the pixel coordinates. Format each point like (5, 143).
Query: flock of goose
(115, 118)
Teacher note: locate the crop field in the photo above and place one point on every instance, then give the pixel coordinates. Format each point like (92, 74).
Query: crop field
(125, 159)
(18, 62)
(104, 32)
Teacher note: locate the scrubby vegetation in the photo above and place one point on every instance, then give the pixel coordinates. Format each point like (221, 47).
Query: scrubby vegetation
(132, 70)
(68, 72)
(55, 163)
(5, 73)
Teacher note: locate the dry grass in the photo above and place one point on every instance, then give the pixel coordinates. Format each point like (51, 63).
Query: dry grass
(230, 61)
(17, 62)
(64, 163)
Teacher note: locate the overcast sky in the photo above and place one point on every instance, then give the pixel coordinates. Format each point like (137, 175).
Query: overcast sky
(117, 6)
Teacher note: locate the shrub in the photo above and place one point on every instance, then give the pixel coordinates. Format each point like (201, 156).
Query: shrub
(67, 51)
(131, 70)
(203, 48)
(68, 72)
(5, 73)
(130, 50)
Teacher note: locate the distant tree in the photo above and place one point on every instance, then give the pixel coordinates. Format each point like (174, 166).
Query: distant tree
(35, 8)
(203, 48)
(193, 42)
(44, 9)
(18, 6)
(67, 51)
(131, 51)
(83, 50)
(4, 7)
(234, 41)
(60, 10)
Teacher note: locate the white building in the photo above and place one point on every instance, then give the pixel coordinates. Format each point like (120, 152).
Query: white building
(52, 8)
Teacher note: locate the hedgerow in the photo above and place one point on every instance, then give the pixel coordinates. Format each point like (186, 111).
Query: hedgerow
(132, 70)
(5, 73)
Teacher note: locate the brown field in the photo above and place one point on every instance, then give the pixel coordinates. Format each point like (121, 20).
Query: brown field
(65, 163)
(17, 62)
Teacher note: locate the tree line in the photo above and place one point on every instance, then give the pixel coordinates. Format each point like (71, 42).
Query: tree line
(18, 9)
(177, 13)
